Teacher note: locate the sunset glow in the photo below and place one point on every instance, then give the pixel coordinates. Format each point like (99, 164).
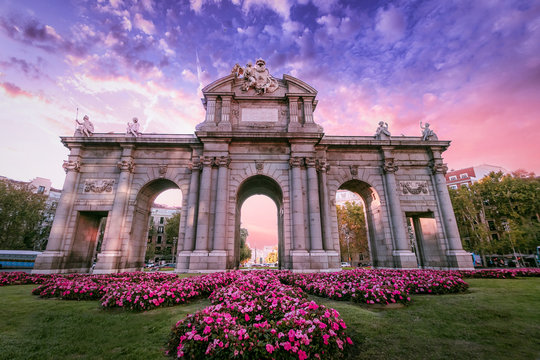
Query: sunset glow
(469, 68)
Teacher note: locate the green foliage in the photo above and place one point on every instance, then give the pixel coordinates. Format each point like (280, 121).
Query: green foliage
(21, 213)
(352, 230)
(245, 251)
(173, 226)
(511, 203)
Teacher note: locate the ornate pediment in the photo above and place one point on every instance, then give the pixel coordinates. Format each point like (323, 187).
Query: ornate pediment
(251, 99)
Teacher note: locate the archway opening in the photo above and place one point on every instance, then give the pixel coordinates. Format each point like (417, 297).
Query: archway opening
(260, 207)
(258, 223)
(359, 223)
(156, 224)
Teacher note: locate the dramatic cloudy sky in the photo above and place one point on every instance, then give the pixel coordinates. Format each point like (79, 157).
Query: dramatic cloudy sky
(470, 68)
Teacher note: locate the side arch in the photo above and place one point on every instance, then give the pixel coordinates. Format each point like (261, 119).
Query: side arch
(140, 215)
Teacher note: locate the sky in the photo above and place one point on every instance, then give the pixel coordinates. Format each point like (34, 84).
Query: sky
(469, 68)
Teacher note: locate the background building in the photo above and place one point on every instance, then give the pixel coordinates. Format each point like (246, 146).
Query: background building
(470, 175)
(160, 247)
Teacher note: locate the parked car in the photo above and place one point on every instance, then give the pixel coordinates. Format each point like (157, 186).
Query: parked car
(345, 264)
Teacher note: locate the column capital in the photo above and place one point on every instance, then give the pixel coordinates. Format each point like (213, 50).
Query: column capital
(222, 161)
(389, 166)
(296, 162)
(206, 161)
(195, 165)
(438, 167)
(126, 165)
(311, 162)
(322, 165)
(71, 166)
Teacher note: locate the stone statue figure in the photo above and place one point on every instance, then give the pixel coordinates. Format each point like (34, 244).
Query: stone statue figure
(382, 131)
(133, 128)
(86, 127)
(427, 133)
(257, 77)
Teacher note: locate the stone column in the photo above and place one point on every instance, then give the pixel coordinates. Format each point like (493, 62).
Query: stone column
(308, 109)
(225, 123)
(51, 260)
(109, 258)
(204, 205)
(297, 202)
(457, 257)
(210, 110)
(328, 242)
(293, 113)
(193, 197)
(403, 256)
(313, 204)
(221, 203)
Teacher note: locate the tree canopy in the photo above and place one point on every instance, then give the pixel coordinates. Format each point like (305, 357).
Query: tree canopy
(499, 214)
(21, 214)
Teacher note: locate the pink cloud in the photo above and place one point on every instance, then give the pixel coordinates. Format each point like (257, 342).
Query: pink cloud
(13, 90)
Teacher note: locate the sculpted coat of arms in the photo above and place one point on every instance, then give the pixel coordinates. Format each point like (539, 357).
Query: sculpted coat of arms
(257, 77)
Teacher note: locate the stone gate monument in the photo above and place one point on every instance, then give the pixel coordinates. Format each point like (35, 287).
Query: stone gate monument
(258, 137)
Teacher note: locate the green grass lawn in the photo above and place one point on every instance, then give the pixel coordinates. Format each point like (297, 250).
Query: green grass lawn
(496, 319)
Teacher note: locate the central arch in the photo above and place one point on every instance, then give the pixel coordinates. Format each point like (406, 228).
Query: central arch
(259, 185)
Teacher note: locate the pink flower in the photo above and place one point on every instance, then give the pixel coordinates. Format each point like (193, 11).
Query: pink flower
(246, 316)
(302, 355)
(269, 348)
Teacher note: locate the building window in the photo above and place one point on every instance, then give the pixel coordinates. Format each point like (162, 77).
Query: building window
(495, 237)
(491, 225)
(161, 219)
(453, 187)
(41, 190)
(465, 185)
(150, 238)
(160, 229)
(159, 239)
(453, 177)
(463, 176)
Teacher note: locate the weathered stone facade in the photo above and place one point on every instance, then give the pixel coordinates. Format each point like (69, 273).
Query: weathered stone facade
(252, 141)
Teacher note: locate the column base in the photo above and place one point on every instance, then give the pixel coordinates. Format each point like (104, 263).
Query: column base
(49, 262)
(459, 259)
(108, 262)
(405, 259)
(201, 261)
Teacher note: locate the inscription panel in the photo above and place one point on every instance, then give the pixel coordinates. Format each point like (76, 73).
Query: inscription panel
(260, 115)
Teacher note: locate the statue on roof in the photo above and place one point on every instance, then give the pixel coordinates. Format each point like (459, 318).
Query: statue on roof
(85, 127)
(257, 77)
(133, 128)
(427, 133)
(382, 132)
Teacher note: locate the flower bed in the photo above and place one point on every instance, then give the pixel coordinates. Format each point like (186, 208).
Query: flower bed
(501, 273)
(257, 317)
(377, 286)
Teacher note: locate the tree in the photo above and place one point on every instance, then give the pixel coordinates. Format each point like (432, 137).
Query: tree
(500, 213)
(245, 251)
(21, 213)
(352, 231)
(172, 227)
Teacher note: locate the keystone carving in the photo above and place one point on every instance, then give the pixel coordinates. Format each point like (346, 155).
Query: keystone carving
(414, 187)
(162, 170)
(98, 185)
(259, 166)
(354, 170)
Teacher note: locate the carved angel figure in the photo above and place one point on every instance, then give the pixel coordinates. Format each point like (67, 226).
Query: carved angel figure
(257, 77)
